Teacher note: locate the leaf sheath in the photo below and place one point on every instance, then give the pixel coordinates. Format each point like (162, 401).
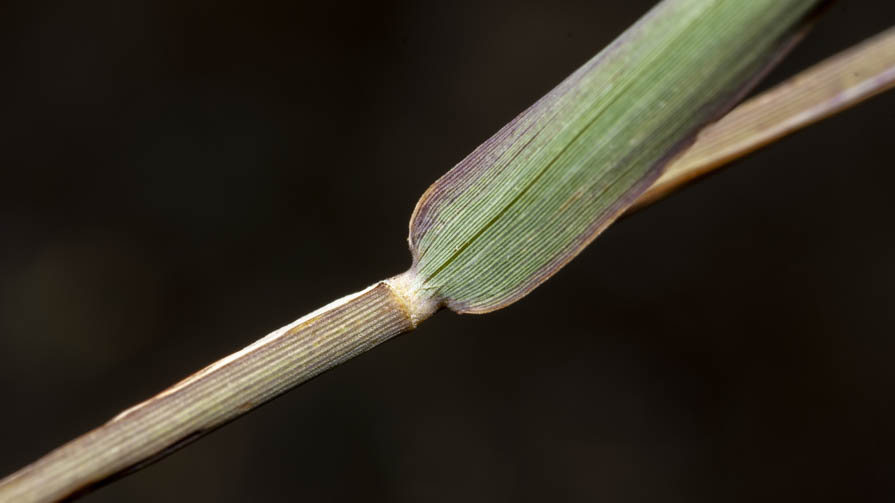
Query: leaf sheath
(534, 195)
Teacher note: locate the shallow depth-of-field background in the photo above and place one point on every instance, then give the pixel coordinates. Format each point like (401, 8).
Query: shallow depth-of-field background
(178, 178)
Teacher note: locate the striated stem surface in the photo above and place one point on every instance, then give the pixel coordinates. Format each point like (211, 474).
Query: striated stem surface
(217, 394)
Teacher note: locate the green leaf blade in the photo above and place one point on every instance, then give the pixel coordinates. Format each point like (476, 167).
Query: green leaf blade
(528, 200)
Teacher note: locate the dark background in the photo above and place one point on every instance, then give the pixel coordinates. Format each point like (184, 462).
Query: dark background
(178, 178)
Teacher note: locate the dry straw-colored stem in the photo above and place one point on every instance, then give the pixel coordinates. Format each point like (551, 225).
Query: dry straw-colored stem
(354, 324)
(215, 395)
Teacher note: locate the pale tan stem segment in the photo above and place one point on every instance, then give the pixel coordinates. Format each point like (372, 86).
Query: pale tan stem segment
(217, 394)
(832, 86)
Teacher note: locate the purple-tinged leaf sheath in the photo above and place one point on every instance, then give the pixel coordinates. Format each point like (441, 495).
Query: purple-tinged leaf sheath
(531, 197)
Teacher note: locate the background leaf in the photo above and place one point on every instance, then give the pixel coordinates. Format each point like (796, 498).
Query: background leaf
(833, 85)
